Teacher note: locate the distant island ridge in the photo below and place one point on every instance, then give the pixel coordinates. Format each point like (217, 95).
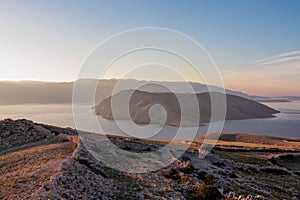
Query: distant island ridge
(140, 102)
(23, 92)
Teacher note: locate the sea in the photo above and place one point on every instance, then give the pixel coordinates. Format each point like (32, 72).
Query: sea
(284, 124)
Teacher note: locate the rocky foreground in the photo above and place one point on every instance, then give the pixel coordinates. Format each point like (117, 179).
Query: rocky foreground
(45, 162)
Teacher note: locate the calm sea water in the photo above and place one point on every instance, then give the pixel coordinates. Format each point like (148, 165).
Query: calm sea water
(286, 123)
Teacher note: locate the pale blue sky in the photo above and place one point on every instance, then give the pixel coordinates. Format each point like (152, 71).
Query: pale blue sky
(48, 40)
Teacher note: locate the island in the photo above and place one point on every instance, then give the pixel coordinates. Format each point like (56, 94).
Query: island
(140, 103)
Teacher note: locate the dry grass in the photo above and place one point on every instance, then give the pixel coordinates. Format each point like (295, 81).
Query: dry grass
(24, 172)
(253, 142)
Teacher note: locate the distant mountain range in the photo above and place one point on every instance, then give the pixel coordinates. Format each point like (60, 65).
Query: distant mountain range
(61, 92)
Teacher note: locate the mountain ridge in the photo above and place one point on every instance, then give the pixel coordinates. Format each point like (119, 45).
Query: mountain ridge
(61, 92)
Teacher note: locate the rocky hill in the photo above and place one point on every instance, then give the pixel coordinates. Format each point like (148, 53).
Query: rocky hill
(44, 162)
(140, 103)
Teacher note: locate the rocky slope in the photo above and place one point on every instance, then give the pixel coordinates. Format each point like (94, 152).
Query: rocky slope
(30, 155)
(45, 162)
(140, 103)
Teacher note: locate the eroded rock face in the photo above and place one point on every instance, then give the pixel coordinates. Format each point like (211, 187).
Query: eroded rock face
(141, 102)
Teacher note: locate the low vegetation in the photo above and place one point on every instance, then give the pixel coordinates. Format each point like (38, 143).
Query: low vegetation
(53, 164)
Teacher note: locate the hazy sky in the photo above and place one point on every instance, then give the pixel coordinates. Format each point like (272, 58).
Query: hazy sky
(256, 44)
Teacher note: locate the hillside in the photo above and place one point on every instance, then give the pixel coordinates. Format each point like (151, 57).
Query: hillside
(40, 161)
(44, 162)
(30, 155)
(141, 101)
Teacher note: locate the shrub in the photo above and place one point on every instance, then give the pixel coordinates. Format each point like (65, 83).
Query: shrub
(171, 173)
(207, 178)
(186, 167)
(207, 192)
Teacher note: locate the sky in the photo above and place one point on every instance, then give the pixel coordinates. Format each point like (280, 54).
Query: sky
(255, 44)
